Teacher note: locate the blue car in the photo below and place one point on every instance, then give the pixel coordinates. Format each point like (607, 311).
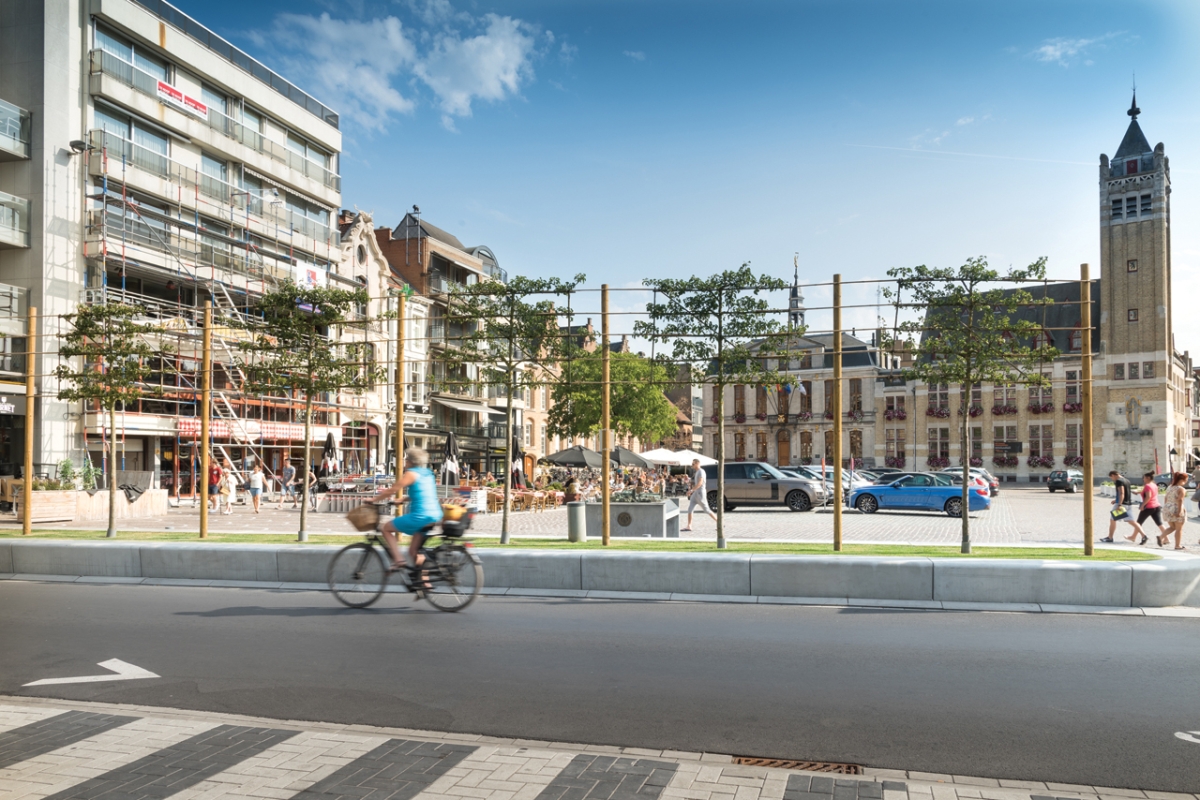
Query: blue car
(919, 492)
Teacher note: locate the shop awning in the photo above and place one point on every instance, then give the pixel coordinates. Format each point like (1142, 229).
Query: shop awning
(461, 405)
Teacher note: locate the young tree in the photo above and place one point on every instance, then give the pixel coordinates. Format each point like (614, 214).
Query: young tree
(638, 406)
(512, 341)
(293, 346)
(723, 329)
(114, 364)
(971, 332)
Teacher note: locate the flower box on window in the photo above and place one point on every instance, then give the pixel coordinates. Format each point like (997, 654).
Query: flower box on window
(935, 462)
(855, 415)
(1005, 461)
(937, 411)
(894, 413)
(1072, 408)
(1040, 461)
(1073, 461)
(739, 417)
(896, 462)
(1041, 408)
(828, 415)
(975, 461)
(1003, 411)
(804, 416)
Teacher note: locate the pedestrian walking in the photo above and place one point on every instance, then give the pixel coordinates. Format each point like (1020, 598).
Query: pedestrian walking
(229, 487)
(698, 496)
(214, 483)
(256, 486)
(1173, 510)
(310, 484)
(1151, 509)
(1120, 509)
(289, 486)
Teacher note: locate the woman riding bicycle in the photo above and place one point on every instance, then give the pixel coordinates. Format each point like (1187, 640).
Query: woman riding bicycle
(424, 508)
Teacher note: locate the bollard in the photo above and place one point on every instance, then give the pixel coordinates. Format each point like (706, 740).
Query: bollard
(576, 522)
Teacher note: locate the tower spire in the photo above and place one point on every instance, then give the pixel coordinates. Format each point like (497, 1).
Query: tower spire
(1133, 107)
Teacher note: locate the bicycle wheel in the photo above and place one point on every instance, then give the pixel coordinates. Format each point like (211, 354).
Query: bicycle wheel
(357, 575)
(456, 577)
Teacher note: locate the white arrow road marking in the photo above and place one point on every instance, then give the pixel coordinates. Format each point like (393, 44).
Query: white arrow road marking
(125, 672)
(1189, 736)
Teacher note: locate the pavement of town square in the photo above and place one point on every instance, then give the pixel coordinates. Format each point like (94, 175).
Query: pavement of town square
(63, 749)
(1026, 515)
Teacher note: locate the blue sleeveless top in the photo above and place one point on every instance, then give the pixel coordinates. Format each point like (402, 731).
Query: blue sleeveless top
(422, 494)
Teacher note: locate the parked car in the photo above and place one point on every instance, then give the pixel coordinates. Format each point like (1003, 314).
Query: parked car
(921, 491)
(881, 471)
(1069, 480)
(756, 483)
(1164, 481)
(993, 483)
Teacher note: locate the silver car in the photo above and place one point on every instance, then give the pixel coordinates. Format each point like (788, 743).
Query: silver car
(756, 483)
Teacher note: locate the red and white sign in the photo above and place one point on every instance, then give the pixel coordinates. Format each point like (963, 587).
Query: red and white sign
(172, 96)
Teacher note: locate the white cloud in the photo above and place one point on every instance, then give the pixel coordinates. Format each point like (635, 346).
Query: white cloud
(347, 64)
(355, 66)
(490, 66)
(1062, 50)
(636, 55)
(965, 120)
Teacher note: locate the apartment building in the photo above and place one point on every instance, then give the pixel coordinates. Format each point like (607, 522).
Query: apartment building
(155, 163)
(433, 261)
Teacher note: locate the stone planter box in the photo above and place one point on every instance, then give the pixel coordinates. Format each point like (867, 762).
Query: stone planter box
(636, 520)
(79, 506)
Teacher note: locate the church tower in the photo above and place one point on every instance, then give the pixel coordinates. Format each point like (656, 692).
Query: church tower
(796, 298)
(1135, 255)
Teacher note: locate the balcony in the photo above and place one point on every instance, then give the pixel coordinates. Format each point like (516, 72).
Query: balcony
(104, 63)
(14, 222)
(119, 152)
(14, 132)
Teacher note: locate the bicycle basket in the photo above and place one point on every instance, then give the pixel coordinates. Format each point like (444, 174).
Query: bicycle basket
(364, 518)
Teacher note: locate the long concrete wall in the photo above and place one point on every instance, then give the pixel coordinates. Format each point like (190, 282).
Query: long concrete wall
(1169, 582)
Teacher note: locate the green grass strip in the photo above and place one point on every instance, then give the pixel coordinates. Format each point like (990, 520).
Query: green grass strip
(637, 545)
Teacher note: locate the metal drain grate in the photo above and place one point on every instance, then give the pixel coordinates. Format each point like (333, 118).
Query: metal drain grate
(810, 766)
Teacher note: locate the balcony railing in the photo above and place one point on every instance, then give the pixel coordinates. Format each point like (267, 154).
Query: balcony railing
(14, 301)
(14, 221)
(114, 147)
(122, 71)
(495, 272)
(14, 131)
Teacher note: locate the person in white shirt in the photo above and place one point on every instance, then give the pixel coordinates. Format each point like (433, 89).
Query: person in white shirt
(698, 496)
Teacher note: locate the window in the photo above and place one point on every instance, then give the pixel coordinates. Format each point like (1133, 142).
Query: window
(1041, 395)
(1073, 440)
(806, 396)
(1073, 394)
(1147, 205)
(130, 53)
(828, 397)
(1004, 433)
(856, 450)
(214, 98)
(762, 446)
(828, 447)
(716, 393)
(1131, 265)
(1132, 371)
(894, 438)
(1041, 440)
(856, 395)
(1004, 394)
(1118, 372)
(528, 434)
(1075, 343)
(977, 442)
(252, 119)
(1147, 370)
(369, 365)
(213, 166)
(739, 446)
(545, 441)
(1130, 207)
(1132, 315)
(1116, 209)
(760, 400)
(939, 396)
(739, 399)
(939, 443)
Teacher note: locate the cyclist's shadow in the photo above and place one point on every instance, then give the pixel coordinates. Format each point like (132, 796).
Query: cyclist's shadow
(264, 611)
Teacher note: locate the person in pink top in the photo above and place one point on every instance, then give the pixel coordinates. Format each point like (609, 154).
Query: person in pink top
(1151, 508)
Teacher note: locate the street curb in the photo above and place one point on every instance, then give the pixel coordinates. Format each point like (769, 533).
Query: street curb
(848, 604)
(939, 583)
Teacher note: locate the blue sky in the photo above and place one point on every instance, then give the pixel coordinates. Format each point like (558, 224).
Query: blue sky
(626, 139)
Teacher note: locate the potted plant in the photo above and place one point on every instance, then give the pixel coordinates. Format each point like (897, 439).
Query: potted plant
(739, 417)
(855, 414)
(936, 462)
(896, 462)
(1073, 461)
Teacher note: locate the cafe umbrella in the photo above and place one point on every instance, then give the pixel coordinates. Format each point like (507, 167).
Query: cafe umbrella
(577, 456)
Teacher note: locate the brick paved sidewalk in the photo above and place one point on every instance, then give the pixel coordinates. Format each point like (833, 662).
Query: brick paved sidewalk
(61, 749)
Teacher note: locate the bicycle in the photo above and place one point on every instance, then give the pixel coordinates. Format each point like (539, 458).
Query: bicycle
(359, 573)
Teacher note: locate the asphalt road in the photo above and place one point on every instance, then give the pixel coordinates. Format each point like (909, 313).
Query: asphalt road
(1077, 699)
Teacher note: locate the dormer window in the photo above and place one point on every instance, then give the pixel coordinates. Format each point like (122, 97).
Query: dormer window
(1131, 166)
